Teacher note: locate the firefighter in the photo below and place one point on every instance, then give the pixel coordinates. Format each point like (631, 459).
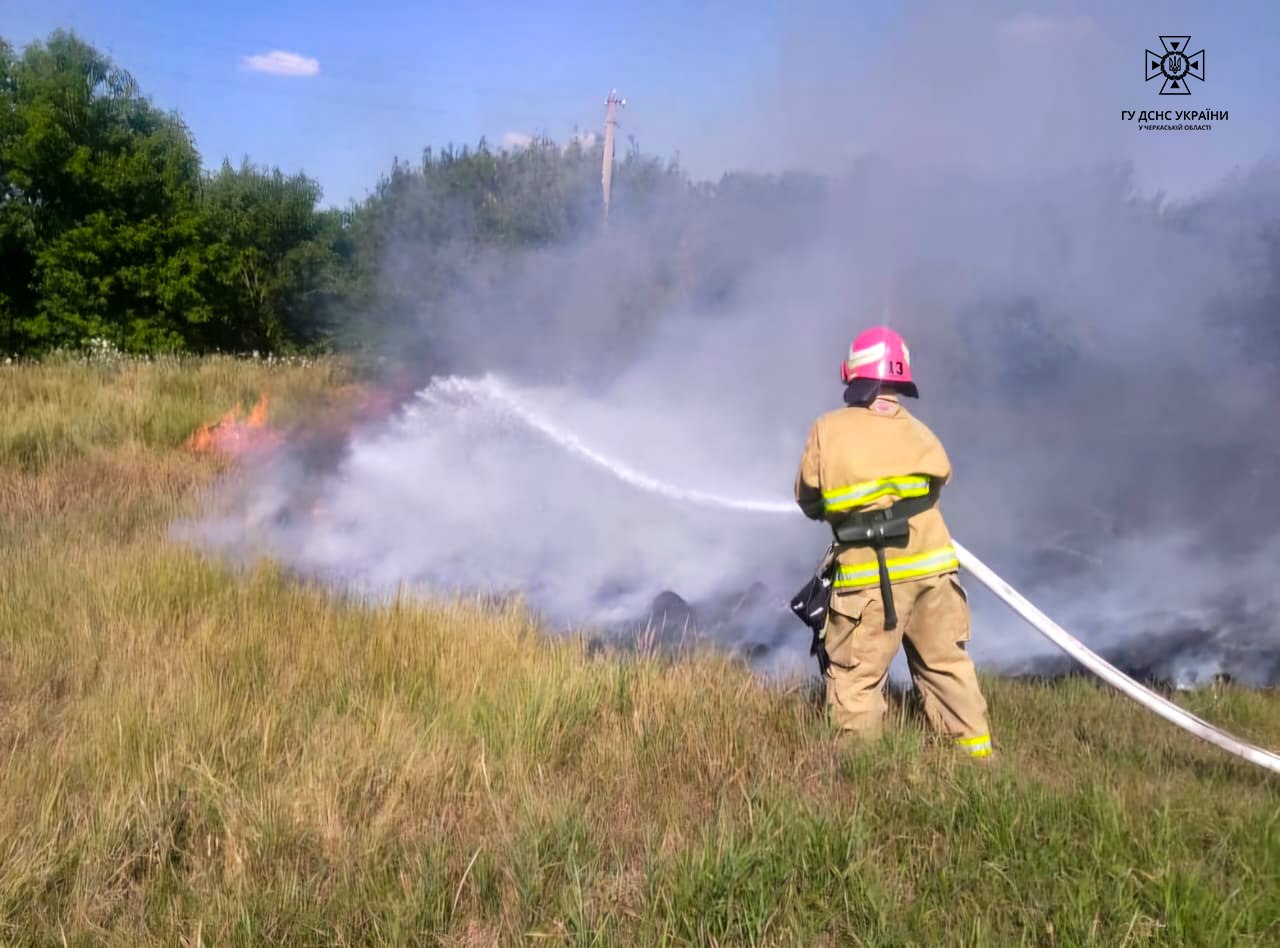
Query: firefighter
(873, 472)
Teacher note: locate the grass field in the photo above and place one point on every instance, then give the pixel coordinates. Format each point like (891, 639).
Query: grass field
(192, 755)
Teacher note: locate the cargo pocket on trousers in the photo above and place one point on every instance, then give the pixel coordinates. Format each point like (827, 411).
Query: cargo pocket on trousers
(961, 606)
(851, 618)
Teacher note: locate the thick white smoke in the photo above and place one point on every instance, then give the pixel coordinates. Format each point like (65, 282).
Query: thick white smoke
(1100, 365)
(481, 485)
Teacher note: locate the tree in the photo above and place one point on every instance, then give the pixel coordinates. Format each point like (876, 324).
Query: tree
(100, 196)
(109, 228)
(274, 259)
(17, 236)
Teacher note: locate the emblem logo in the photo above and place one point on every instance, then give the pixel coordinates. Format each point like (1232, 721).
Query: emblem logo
(1175, 64)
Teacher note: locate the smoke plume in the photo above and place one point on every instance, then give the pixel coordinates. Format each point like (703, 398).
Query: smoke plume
(1100, 362)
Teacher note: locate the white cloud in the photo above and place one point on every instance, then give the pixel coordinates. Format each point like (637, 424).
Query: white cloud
(516, 140)
(280, 63)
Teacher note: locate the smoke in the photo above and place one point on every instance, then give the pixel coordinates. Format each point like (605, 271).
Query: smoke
(1100, 362)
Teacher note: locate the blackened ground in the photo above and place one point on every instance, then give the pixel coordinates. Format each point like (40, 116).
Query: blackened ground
(1222, 644)
(753, 625)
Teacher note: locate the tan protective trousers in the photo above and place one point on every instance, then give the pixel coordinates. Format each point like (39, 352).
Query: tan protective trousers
(933, 624)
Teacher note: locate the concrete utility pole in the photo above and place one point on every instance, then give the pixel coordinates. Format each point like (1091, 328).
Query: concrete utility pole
(610, 123)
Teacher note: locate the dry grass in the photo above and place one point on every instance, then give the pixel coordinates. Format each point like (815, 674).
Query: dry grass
(193, 755)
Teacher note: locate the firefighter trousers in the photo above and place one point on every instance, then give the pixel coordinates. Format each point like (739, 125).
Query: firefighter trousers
(933, 626)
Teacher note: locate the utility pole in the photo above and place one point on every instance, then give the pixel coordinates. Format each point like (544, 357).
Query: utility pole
(610, 124)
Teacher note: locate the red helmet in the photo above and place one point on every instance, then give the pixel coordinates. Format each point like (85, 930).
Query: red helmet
(879, 354)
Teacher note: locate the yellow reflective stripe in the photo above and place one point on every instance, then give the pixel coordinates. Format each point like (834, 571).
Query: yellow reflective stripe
(856, 495)
(926, 568)
(904, 567)
(979, 746)
(867, 491)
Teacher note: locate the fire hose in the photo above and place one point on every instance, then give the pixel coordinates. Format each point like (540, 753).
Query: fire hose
(1113, 676)
(491, 391)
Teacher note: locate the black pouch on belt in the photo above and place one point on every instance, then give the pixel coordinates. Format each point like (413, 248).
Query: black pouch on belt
(810, 605)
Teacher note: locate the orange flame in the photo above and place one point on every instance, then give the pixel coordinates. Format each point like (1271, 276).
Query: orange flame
(230, 435)
(258, 417)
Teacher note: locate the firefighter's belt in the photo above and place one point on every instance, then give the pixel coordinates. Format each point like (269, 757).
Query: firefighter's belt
(879, 528)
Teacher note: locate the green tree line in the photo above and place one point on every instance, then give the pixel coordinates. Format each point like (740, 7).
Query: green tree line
(111, 229)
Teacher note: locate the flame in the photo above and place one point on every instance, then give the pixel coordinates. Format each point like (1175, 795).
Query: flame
(201, 440)
(229, 434)
(258, 417)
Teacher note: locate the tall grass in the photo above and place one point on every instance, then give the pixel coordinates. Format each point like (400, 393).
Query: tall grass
(196, 755)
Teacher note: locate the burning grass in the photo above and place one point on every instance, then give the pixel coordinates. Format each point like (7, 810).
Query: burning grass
(235, 433)
(194, 755)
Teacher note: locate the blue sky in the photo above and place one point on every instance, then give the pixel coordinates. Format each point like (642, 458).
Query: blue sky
(742, 84)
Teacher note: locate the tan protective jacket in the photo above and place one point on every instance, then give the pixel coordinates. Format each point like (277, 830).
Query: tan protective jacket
(866, 459)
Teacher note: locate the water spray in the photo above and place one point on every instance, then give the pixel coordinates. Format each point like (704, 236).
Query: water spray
(490, 391)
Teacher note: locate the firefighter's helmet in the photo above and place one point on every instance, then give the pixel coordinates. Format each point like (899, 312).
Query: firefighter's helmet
(880, 354)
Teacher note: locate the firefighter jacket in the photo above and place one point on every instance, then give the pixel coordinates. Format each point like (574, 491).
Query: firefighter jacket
(867, 458)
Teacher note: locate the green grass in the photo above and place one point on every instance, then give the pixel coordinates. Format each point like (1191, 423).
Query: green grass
(195, 755)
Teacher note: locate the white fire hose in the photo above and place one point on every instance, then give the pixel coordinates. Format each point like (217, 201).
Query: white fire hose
(493, 392)
(1108, 672)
